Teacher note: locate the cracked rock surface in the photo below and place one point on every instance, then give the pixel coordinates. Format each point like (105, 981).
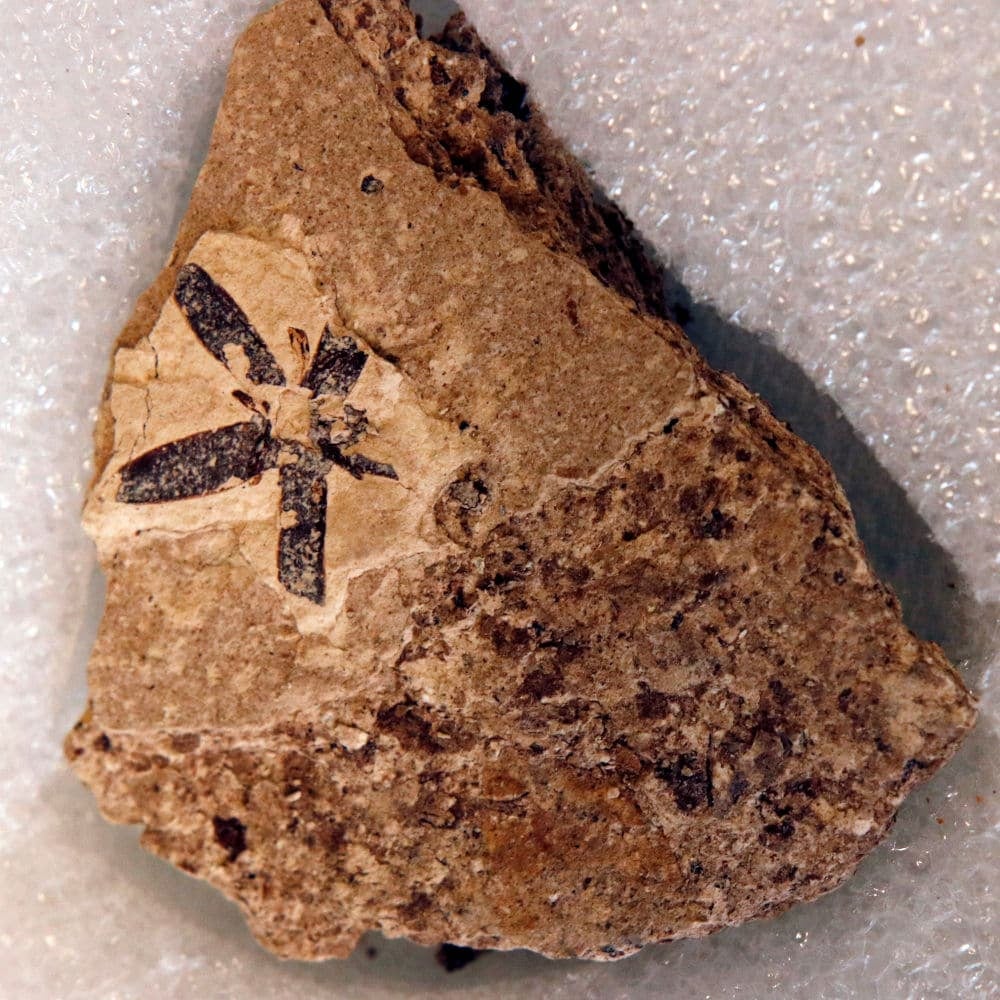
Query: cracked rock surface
(449, 592)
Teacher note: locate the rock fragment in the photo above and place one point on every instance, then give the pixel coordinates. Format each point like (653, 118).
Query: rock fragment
(450, 593)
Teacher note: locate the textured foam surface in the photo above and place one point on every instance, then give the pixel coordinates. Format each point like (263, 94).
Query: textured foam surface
(824, 201)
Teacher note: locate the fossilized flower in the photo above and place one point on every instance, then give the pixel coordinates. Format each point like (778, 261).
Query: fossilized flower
(210, 461)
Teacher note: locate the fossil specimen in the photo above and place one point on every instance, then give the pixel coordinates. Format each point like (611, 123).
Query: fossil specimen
(207, 461)
(450, 593)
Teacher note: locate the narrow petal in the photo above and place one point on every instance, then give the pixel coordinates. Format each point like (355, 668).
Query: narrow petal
(357, 465)
(300, 545)
(217, 321)
(199, 464)
(336, 366)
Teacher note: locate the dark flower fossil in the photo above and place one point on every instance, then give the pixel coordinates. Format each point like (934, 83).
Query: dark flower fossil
(210, 461)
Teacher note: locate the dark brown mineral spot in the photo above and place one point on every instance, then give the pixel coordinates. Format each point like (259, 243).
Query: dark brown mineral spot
(439, 75)
(718, 526)
(372, 185)
(541, 684)
(688, 779)
(777, 832)
(230, 834)
(405, 722)
(806, 787)
(652, 704)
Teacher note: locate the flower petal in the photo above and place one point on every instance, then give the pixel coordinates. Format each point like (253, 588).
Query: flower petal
(199, 464)
(217, 321)
(336, 366)
(357, 465)
(300, 545)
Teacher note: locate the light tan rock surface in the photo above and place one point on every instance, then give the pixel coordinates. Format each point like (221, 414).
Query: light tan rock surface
(449, 593)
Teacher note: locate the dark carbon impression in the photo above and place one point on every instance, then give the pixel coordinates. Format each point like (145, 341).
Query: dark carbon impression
(300, 546)
(199, 464)
(217, 321)
(336, 366)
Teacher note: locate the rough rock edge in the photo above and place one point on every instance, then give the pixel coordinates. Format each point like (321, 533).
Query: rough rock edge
(461, 114)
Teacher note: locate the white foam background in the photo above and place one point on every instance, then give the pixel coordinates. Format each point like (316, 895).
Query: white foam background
(835, 205)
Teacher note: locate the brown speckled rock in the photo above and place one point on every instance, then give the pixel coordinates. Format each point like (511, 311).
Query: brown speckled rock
(449, 592)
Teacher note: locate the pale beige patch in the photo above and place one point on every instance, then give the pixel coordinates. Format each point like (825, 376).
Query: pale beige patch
(170, 386)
